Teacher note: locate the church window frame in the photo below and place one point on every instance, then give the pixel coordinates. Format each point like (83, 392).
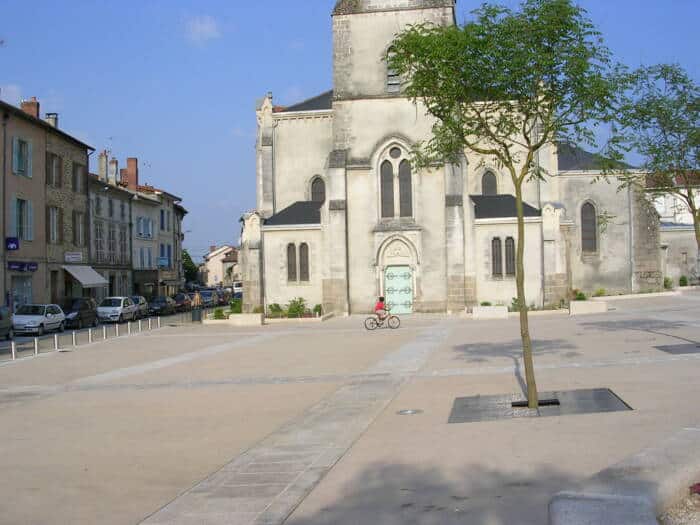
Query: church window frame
(317, 189)
(589, 228)
(396, 184)
(393, 79)
(292, 273)
(510, 256)
(496, 258)
(304, 272)
(489, 183)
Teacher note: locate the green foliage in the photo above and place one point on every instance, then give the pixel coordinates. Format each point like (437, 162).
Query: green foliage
(580, 296)
(683, 281)
(668, 283)
(219, 314)
(514, 305)
(296, 307)
(258, 310)
(236, 306)
(275, 308)
(318, 310)
(600, 292)
(189, 267)
(485, 303)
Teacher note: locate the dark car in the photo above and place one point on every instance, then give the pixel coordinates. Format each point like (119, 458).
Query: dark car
(81, 312)
(182, 302)
(224, 297)
(161, 306)
(6, 330)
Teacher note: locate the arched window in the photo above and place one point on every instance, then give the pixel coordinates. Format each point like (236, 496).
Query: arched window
(510, 256)
(387, 188)
(291, 262)
(405, 192)
(589, 228)
(318, 190)
(393, 80)
(496, 261)
(488, 184)
(304, 262)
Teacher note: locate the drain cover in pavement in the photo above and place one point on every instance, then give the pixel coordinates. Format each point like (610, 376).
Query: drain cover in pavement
(685, 348)
(510, 406)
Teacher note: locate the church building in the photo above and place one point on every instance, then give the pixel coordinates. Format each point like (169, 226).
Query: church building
(343, 217)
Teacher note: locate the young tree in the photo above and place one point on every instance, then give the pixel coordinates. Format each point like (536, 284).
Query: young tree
(503, 86)
(660, 120)
(189, 267)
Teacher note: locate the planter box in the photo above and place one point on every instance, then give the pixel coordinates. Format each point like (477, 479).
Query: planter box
(237, 320)
(587, 307)
(293, 320)
(490, 312)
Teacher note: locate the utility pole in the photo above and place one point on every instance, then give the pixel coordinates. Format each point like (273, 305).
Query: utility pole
(6, 295)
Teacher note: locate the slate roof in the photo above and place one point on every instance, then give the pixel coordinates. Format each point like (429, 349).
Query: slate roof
(301, 212)
(574, 158)
(499, 207)
(324, 101)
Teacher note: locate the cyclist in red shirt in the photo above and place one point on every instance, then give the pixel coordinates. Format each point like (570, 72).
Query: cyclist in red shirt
(380, 309)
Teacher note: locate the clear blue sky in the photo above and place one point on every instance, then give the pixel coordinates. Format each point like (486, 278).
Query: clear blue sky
(174, 82)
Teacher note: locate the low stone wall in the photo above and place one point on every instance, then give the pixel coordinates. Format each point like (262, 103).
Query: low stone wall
(587, 307)
(236, 320)
(490, 312)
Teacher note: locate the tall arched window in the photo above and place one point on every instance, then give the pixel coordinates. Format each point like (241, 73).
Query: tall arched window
(510, 256)
(589, 228)
(405, 191)
(393, 80)
(304, 262)
(387, 188)
(318, 190)
(488, 184)
(496, 261)
(291, 262)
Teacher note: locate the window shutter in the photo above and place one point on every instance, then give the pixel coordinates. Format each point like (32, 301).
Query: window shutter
(86, 229)
(49, 166)
(405, 191)
(60, 225)
(13, 216)
(48, 224)
(15, 155)
(30, 221)
(75, 228)
(30, 157)
(59, 178)
(387, 189)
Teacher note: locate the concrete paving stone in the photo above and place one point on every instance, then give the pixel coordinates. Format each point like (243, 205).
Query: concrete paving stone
(259, 478)
(275, 467)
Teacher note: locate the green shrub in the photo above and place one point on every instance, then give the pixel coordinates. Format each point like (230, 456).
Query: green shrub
(219, 314)
(258, 310)
(318, 310)
(668, 283)
(580, 296)
(514, 305)
(600, 292)
(275, 308)
(485, 303)
(236, 306)
(683, 281)
(296, 307)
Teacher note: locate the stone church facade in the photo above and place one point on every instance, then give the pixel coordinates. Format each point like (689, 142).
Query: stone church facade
(342, 217)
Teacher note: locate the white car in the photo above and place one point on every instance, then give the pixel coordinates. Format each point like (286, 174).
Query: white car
(117, 309)
(38, 318)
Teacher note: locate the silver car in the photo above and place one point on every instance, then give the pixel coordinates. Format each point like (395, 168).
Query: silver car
(38, 318)
(117, 309)
(141, 305)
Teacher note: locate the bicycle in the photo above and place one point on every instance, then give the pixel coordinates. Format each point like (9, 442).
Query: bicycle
(373, 322)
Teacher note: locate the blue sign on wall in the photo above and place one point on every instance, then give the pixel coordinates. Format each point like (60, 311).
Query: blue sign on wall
(11, 244)
(17, 266)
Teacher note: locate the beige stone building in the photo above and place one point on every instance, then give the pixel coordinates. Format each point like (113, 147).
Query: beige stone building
(44, 197)
(343, 217)
(220, 266)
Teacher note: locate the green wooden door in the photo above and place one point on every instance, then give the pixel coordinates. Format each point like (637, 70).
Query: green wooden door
(398, 287)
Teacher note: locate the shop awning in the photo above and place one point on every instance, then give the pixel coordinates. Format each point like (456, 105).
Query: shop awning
(86, 276)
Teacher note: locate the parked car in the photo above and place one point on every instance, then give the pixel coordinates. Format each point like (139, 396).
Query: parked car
(141, 305)
(38, 318)
(237, 287)
(81, 312)
(183, 303)
(223, 298)
(117, 309)
(209, 298)
(6, 329)
(162, 306)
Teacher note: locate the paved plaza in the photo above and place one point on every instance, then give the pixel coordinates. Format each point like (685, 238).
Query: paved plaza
(299, 423)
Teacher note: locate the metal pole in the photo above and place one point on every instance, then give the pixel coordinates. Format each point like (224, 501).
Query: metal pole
(13, 345)
(128, 327)
(36, 346)
(90, 335)
(116, 329)
(104, 331)
(158, 321)
(75, 341)
(149, 324)
(55, 342)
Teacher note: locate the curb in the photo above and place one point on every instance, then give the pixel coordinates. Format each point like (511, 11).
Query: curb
(635, 490)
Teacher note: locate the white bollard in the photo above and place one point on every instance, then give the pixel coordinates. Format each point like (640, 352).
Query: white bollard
(104, 331)
(128, 327)
(36, 346)
(149, 324)
(55, 342)
(139, 325)
(116, 329)
(75, 341)
(13, 346)
(158, 321)
(90, 335)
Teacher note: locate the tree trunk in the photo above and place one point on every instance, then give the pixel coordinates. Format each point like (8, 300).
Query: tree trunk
(532, 398)
(696, 224)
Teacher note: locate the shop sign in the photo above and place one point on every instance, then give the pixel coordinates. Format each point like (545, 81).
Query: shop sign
(11, 244)
(74, 257)
(17, 266)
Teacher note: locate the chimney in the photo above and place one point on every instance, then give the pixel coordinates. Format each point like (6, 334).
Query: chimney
(52, 119)
(130, 175)
(102, 161)
(31, 107)
(212, 248)
(112, 170)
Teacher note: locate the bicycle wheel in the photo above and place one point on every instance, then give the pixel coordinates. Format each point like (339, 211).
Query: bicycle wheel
(370, 323)
(394, 322)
